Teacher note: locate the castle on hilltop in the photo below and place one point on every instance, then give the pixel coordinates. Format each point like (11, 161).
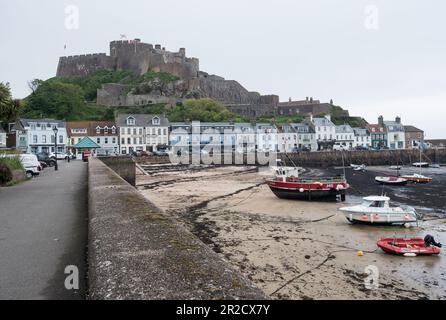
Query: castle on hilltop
(139, 57)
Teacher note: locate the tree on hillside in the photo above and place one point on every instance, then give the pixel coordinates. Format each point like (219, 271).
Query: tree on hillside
(9, 108)
(55, 99)
(34, 84)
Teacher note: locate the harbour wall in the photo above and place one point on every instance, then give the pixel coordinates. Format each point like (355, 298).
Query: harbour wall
(331, 158)
(135, 251)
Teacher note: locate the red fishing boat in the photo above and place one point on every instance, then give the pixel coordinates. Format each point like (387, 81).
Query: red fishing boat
(308, 188)
(410, 246)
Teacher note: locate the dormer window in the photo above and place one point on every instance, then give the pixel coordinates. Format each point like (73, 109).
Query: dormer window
(113, 130)
(98, 129)
(155, 121)
(130, 121)
(105, 129)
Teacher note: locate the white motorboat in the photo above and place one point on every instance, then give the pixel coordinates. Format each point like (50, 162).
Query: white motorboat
(421, 164)
(395, 167)
(376, 210)
(417, 178)
(395, 181)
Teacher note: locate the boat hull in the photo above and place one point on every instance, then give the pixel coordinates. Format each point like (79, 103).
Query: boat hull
(296, 194)
(380, 219)
(395, 182)
(417, 180)
(403, 246)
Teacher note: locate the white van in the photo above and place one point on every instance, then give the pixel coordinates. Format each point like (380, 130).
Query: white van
(340, 146)
(31, 164)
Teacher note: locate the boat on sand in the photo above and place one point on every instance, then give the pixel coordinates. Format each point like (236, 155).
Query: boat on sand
(376, 210)
(410, 247)
(395, 181)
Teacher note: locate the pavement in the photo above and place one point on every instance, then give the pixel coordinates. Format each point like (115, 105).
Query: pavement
(43, 229)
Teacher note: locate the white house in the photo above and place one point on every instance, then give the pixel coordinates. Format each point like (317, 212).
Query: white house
(345, 137)
(396, 136)
(362, 138)
(142, 132)
(297, 136)
(37, 135)
(325, 132)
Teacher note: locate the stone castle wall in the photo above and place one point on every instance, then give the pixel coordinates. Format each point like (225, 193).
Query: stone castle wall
(83, 65)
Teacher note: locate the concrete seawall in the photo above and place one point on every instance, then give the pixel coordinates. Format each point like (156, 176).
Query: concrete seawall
(137, 252)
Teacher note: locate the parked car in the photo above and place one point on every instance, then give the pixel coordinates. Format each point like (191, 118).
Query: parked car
(31, 164)
(146, 154)
(361, 148)
(161, 153)
(60, 155)
(45, 158)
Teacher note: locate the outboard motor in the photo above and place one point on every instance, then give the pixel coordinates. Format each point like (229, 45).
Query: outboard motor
(430, 241)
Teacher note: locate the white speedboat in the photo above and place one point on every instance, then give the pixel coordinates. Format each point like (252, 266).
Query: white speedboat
(421, 164)
(376, 210)
(394, 181)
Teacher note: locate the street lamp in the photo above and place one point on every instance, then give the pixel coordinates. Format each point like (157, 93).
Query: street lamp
(55, 145)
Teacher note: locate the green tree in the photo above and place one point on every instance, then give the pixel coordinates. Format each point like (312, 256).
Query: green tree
(55, 99)
(9, 108)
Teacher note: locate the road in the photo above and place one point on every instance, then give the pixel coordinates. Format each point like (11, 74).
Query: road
(43, 229)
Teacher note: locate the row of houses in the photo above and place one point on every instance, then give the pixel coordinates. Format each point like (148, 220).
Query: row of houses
(146, 132)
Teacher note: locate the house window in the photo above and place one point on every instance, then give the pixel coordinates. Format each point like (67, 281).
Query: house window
(34, 138)
(129, 141)
(105, 140)
(140, 131)
(134, 131)
(60, 139)
(156, 121)
(52, 138)
(122, 141)
(140, 140)
(134, 140)
(113, 140)
(130, 121)
(113, 130)
(43, 139)
(129, 131)
(105, 130)
(98, 129)
(98, 140)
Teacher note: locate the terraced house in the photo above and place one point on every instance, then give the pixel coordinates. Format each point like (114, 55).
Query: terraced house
(37, 135)
(103, 133)
(142, 132)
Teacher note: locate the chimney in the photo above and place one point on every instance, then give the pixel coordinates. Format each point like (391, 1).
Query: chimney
(398, 120)
(158, 46)
(307, 99)
(290, 99)
(183, 51)
(381, 120)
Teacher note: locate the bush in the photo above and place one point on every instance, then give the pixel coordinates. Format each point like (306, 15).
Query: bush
(5, 173)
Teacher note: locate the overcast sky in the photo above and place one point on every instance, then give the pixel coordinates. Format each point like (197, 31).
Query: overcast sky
(372, 57)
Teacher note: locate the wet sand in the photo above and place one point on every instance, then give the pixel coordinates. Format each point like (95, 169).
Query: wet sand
(296, 249)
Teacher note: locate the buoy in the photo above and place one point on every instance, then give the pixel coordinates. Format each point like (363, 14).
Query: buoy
(360, 253)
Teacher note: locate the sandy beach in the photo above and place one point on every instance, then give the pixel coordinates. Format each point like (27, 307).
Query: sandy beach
(296, 249)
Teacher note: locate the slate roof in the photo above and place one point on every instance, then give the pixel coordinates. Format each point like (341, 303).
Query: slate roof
(322, 122)
(345, 128)
(141, 120)
(91, 128)
(412, 129)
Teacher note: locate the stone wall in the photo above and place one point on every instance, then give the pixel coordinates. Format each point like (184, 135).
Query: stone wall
(83, 65)
(384, 157)
(137, 252)
(124, 166)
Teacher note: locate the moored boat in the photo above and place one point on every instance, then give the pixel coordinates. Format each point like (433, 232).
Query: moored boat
(395, 181)
(409, 246)
(418, 178)
(309, 188)
(421, 164)
(376, 210)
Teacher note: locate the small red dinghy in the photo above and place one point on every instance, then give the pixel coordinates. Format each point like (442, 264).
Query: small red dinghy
(409, 246)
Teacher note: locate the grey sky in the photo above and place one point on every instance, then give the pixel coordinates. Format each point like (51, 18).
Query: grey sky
(318, 48)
